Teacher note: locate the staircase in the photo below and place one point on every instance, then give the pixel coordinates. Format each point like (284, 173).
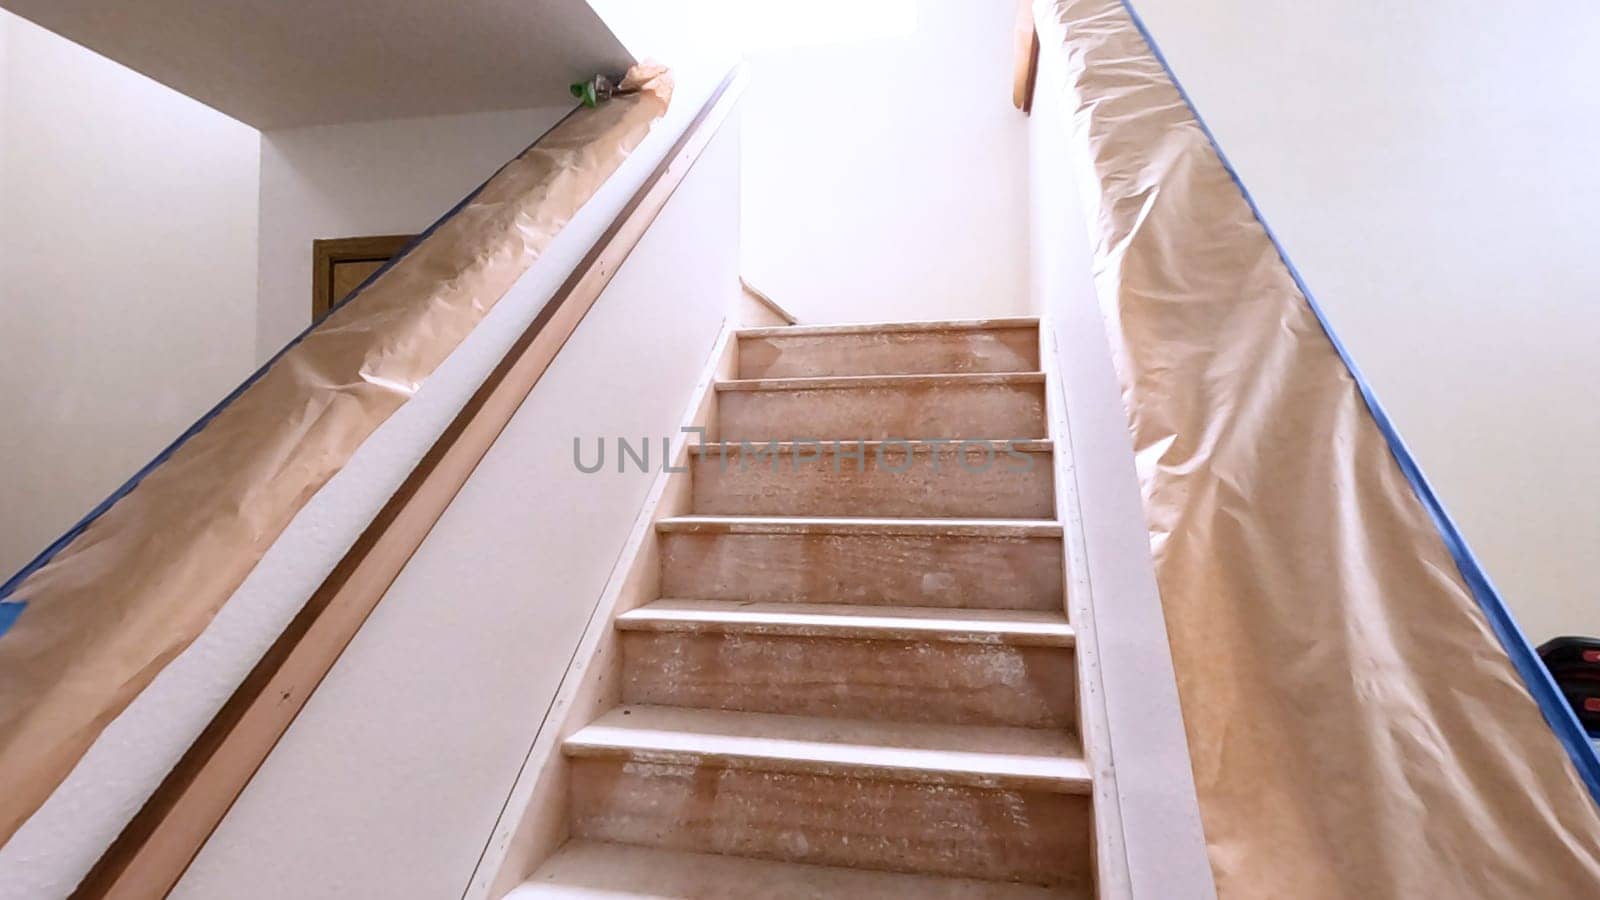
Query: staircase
(859, 679)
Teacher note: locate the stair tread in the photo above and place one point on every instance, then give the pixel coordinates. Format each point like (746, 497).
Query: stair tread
(604, 871)
(1046, 528)
(1000, 626)
(984, 756)
(830, 445)
(835, 382)
(995, 324)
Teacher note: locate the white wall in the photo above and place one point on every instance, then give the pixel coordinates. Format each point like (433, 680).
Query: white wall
(127, 276)
(391, 780)
(1430, 169)
(389, 177)
(1146, 803)
(884, 173)
(59, 843)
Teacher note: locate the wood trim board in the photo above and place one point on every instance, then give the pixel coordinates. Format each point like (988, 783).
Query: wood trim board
(1025, 70)
(761, 297)
(328, 253)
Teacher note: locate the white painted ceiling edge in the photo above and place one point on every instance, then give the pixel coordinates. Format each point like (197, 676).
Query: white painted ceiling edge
(304, 62)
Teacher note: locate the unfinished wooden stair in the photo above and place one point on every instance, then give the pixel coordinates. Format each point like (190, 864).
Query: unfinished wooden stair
(874, 407)
(857, 678)
(998, 563)
(959, 667)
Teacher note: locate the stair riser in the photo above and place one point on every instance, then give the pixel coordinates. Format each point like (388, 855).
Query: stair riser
(599, 869)
(879, 680)
(891, 353)
(869, 570)
(876, 413)
(1002, 835)
(887, 484)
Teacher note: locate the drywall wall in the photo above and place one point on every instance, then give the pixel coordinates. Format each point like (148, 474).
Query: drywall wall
(5, 56)
(1429, 168)
(884, 163)
(392, 778)
(391, 177)
(1148, 819)
(127, 276)
(59, 843)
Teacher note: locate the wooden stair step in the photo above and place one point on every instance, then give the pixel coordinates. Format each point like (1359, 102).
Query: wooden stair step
(594, 870)
(923, 479)
(857, 382)
(1019, 628)
(996, 758)
(991, 345)
(861, 526)
(960, 667)
(984, 405)
(961, 563)
(859, 679)
(915, 326)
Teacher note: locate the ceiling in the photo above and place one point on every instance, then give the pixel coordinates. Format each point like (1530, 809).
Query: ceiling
(286, 63)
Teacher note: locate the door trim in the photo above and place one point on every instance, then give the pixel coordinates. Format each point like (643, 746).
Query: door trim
(329, 252)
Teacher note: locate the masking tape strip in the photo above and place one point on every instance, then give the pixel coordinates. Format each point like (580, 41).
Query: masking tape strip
(11, 584)
(1563, 721)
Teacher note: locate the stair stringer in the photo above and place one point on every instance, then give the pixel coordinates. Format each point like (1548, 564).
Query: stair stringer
(534, 822)
(1110, 867)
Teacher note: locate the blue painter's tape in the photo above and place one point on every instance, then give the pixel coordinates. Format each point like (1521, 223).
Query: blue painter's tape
(1563, 721)
(9, 610)
(49, 553)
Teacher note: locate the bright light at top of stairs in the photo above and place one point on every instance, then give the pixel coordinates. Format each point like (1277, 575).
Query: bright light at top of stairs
(766, 25)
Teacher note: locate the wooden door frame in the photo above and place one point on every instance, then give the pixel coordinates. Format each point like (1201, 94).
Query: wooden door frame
(329, 252)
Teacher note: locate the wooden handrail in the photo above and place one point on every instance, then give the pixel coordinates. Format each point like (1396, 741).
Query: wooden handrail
(153, 851)
(1025, 68)
(770, 304)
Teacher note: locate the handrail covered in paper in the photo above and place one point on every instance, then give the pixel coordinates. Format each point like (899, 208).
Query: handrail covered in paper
(1362, 715)
(107, 607)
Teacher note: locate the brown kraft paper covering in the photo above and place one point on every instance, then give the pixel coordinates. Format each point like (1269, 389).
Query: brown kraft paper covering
(144, 579)
(1356, 728)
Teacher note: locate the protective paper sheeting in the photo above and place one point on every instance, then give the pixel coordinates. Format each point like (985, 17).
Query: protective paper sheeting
(145, 577)
(1357, 728)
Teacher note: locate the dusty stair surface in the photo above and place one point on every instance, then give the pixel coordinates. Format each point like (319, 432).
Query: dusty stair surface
(858, 679)
(587, 870)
